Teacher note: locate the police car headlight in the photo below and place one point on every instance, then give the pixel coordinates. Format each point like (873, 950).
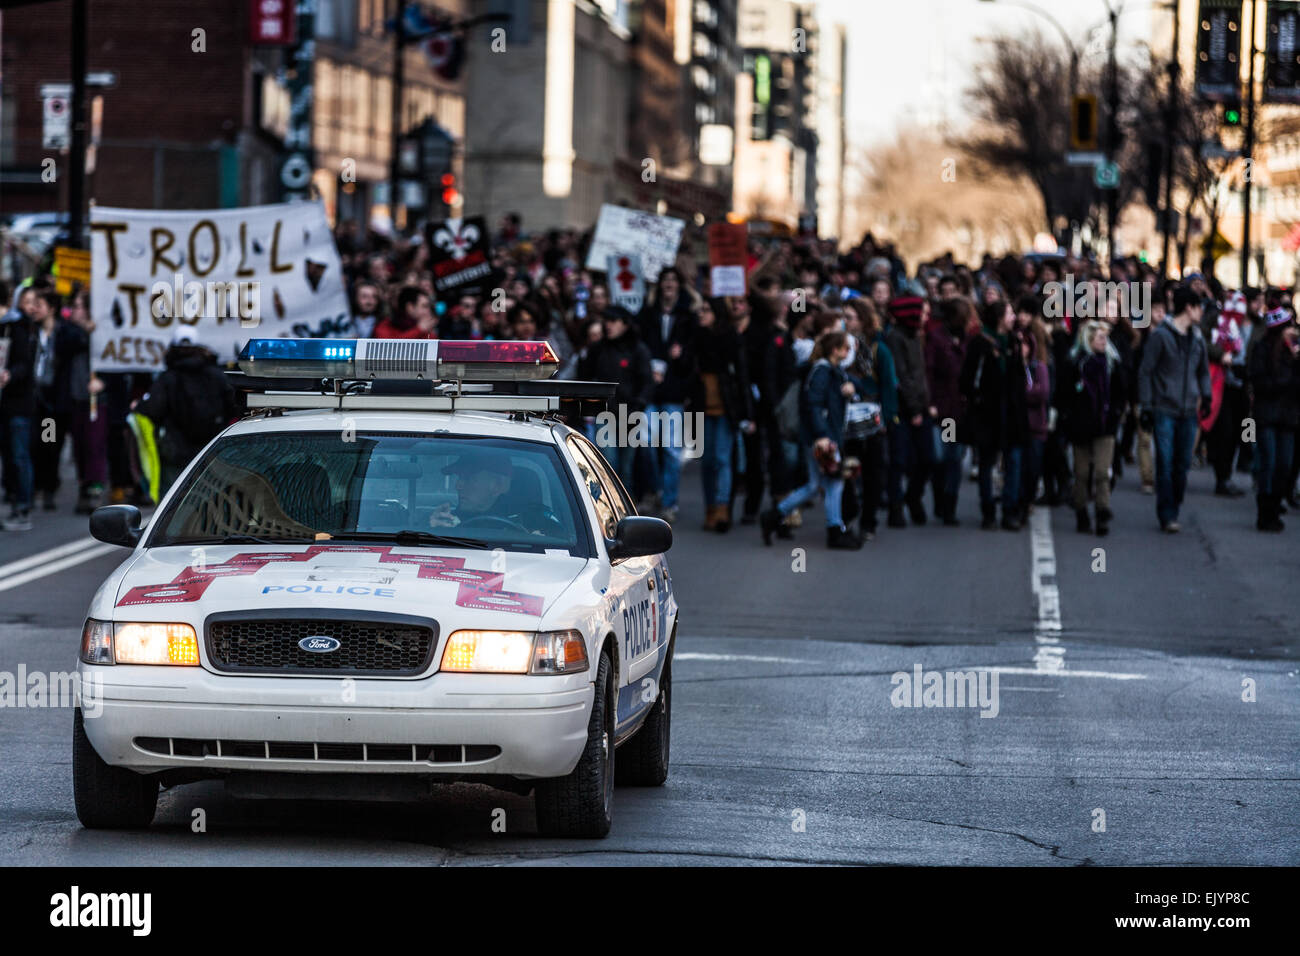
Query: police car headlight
(97, 642)
(155, 644)
(515, 652)
(488, 652)
(559, 652)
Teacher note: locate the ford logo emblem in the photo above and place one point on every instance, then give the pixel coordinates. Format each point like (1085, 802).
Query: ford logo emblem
(319, 644)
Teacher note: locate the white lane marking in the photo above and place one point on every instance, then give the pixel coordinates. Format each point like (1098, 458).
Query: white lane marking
(1111, 675)
(50, 555)
(1049, 656)
(691, 656)
(46, 569)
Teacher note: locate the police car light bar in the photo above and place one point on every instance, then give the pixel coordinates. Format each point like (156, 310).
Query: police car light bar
(364, 359)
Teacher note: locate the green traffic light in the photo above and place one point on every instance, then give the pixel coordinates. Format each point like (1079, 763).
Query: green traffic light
(1232, 117)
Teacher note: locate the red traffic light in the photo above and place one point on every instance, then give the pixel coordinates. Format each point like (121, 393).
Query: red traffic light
(448, 180)
(450, 196)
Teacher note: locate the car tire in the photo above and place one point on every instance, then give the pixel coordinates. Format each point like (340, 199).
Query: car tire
(108, 798)
(643, 760)
(581, 804)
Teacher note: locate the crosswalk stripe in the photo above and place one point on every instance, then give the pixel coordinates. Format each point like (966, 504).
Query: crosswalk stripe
(49, 555)
(72, 560)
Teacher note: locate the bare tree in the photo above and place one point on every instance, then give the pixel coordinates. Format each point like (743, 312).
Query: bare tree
(1020, 102)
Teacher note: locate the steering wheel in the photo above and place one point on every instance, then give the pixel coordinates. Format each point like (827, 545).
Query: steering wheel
(496, 519)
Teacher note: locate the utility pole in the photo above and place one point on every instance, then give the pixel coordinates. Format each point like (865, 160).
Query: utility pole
(1171, 117)
(1112, 129)
(77, 157)
(1248, 153)
(399, 71)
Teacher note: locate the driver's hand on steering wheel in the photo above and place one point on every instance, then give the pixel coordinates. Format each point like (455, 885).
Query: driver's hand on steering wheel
(442, 517)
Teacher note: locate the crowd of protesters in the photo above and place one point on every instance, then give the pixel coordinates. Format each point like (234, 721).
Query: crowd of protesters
(839, 377)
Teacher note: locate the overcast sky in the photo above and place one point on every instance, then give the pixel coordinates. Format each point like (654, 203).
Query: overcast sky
(909, 60)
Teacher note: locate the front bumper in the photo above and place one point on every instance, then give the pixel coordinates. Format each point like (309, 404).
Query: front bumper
(538, 723)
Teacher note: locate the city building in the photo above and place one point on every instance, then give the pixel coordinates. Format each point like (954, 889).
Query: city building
(352, 116)
(547, 121)
(792, 92)
(174, 109)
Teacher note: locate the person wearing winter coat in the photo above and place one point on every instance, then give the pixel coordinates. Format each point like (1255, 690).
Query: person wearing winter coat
(996, 420)
(871, 369)
(1274, 374)
(911, 450)
(1096, 392)
(1038, 394)
(945, 352)
(822, 418)
(667, 327)
(622, 358)
(1174, 391)
(18, 405)
(189, 404)
(722, 395)
(79, 406)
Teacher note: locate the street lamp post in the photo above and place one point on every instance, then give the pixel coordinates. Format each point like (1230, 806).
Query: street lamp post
(1248, 152)
(1171, 116)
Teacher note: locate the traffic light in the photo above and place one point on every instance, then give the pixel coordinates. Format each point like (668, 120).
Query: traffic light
(450, 195)
(1231, 114)
(1083, 122)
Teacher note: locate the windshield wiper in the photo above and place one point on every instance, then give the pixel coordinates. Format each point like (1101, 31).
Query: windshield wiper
(413, 538)
(250, 539)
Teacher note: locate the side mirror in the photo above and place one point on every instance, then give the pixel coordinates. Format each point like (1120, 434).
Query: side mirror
(116, 524)
(638, 537)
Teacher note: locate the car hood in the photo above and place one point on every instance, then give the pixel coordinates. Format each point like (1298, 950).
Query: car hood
(457, 587)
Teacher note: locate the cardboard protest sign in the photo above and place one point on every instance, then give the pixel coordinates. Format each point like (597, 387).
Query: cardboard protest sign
(728, 257)
(621, 231)
(229, 274)
(460, 256)
(626, 284)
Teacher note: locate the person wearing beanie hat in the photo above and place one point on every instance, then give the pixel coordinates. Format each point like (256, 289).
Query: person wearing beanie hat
(997, 417)
(1227, 350)
(911, 449)
(189, 403)
(1173, 388)
(1274, 374)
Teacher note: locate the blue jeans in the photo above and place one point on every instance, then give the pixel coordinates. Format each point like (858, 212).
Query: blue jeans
(1273, 453)
(1012, 463)
(911, 453)
(1175, 438)
(833, 487)
(1033, 468)
(719, 437)
(948, 457)
(19, 429)
(666, 449)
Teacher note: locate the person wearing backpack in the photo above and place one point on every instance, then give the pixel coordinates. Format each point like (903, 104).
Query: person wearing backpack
(872, 372)
(825, 395)
(189, 403)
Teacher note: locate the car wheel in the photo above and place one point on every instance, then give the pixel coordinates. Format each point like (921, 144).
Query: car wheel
(108, 798)
(581, 804)
(643, 760)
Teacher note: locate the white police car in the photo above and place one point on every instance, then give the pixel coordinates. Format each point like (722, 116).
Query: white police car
(384, 578)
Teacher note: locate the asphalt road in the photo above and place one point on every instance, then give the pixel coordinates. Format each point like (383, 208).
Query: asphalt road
(1121, 735)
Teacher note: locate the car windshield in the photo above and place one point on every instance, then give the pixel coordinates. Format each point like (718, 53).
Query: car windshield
(412, 490)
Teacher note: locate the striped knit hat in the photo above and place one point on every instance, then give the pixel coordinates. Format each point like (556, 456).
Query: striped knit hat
(907, 309)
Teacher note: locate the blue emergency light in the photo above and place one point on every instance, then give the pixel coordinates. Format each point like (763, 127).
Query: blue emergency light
(408, 359)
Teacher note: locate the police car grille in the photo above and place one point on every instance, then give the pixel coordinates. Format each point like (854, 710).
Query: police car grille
(270, 646)
(317, 751)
